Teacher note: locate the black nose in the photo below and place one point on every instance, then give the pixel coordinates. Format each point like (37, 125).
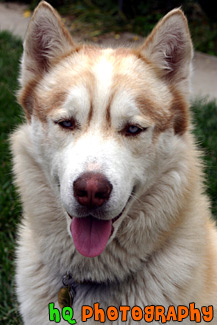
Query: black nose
(92, 189)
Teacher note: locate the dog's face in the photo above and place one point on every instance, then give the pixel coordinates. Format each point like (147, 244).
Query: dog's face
(104, 122)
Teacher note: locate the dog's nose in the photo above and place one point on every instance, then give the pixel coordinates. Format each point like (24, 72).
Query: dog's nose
(92, 189)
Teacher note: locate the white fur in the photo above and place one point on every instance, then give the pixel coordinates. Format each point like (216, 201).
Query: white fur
(163, 246)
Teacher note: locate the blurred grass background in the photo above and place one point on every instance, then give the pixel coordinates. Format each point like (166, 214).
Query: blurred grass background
(92, 18)
(10, 209)
(98, 17)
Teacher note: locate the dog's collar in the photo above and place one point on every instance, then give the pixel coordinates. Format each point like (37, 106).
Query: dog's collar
(67, 293)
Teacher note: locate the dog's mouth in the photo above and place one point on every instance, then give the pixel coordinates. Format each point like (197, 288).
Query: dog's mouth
(90, 234)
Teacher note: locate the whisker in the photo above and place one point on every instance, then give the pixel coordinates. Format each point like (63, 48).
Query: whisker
(136, 198)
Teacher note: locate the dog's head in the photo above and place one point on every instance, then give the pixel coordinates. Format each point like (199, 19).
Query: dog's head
(104, 122)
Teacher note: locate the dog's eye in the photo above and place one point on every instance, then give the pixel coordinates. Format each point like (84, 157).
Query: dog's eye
(132, 130)
(67, 124)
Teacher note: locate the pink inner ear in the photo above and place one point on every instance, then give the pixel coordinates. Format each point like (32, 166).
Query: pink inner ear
(169, 47)
(46, 39)
(41, 46)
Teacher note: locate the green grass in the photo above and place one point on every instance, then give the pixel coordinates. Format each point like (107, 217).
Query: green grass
(10, 52)
(205, 114)
(205, 121)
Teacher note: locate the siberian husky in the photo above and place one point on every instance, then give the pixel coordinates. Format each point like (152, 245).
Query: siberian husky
(110, 181)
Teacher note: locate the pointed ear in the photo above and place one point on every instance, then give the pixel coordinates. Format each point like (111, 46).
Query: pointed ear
(169, 47)
(46, 40)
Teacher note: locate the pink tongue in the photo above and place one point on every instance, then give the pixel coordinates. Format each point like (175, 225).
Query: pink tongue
(90, 235)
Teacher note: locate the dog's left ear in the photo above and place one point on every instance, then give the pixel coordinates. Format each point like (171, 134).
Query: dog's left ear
(169, 48)
(46, 40)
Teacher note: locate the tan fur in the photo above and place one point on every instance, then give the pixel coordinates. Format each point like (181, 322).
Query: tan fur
(163, 249)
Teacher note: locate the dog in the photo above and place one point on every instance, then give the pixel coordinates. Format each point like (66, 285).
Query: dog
(115, 218)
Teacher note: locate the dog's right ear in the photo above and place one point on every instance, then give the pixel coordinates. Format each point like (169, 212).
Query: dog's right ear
(46, 40)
